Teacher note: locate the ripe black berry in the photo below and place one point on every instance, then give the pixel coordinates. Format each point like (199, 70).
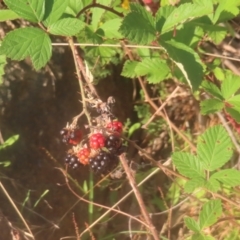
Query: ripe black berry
(72, 161)
(113, 143)
(103, 162)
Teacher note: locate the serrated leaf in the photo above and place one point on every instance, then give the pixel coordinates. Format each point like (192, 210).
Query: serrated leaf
(175, 191)
(105, 54)
(210, 213)
(155, 70)
(54, 10)
(187, 164)
(110, 28)
(229, 177)
(212, 89)
(129, 69)
(32, 10)
(219, 73)
(138, 26)
(226, 10)
(66, 27)
(235, 102)
(212, 185)
(230, 85)
(185, 12)
(211, 106)
(161, 16)
(187, 61)
(214, 148)
(32, 42)
(6, 15)
(76, 5)
(91, 36)
(215, 33)
(10, 141)
(194, 183)
(191, 224)
(201, 236)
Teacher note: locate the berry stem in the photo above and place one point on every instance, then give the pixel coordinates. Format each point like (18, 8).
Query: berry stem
(79, 69)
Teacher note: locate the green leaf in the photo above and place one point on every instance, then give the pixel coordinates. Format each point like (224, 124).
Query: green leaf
(138, 25)
(185, 12)
(188, 164)
(76, 5)
(215, 33)
(191, 224)
(187, 61)
(161, 16)
(194, 183)
(155, 70)
(10, 141)
(43, 194)
(235, 102)
(66, 27)
(54, 10)
(175, 190)
(110, 28)
(129, 69)
(32, 42)
(6, 15)
(105, 54)
(133, 128)
(229, 177)
(5, 163)
(201, 236)
(212, 89)
(230, 85)
(214, 148)
(219, 73)
(226, 10)
(31, 10)
(212, 185)
(2, 65)
(211, 106)
(210, 213)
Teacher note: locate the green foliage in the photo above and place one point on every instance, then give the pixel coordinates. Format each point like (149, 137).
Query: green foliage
(10, 141)
(174, 37)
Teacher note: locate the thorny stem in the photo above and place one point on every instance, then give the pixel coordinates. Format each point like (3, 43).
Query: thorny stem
(98, 5)
(138, 197)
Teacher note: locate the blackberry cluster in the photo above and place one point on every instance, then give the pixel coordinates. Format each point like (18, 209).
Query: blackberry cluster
(103, 162)
(72, 161)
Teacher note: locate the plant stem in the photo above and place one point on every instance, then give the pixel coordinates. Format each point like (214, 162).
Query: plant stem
(98, 5)
(16, 209)
(138, 197)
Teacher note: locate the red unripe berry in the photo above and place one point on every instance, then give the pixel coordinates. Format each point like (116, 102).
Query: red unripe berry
(97, 140)
(83, 155)
(115, 126)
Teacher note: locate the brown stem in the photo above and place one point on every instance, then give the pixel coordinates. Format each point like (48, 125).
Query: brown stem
(138, 197)
(98, 5)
